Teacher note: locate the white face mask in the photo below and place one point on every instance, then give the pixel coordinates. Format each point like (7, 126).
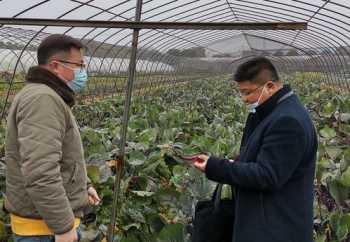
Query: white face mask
(252, 107)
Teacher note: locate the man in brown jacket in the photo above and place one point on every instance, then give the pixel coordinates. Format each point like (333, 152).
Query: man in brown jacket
(47, 186)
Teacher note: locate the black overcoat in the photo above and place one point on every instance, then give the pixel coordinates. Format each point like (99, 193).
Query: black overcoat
(273, 178)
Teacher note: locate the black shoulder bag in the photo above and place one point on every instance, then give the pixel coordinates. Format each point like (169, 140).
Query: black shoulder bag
(213, 221)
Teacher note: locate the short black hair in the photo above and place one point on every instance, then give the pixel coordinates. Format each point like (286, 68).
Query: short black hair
(54, 44)
(250, 70)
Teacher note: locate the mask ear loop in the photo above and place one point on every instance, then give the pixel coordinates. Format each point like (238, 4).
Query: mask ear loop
(60, 76)
(261, 94)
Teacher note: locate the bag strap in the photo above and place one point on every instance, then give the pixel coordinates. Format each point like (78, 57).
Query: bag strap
(217, 196)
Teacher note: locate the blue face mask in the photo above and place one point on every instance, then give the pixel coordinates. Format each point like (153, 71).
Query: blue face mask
(80, 78)
(79, 81)
(252, 107)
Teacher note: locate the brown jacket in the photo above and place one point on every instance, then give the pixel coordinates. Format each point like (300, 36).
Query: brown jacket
(46, 174)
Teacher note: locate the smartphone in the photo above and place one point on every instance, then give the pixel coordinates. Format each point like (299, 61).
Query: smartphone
(192, 158)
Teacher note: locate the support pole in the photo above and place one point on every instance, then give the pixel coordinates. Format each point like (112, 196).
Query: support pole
(123, 132)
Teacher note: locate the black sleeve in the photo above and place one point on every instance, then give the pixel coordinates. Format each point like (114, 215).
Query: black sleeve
(281, 151)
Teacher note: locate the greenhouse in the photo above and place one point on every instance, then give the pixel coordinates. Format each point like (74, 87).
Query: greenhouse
(162, 88)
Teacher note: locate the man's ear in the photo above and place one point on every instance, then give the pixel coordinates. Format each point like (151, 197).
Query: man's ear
(270, 85)
(53, 66)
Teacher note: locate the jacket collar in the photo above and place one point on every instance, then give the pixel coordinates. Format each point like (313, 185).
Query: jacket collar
(37, 74)
(267, 107)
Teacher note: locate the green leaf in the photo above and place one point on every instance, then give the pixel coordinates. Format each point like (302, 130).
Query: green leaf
(3, 233)
(172, 233)
(139, 183)
(346, 155)
(136, 158)
(345, 160)
(333, 151)
(328, 110)
(155, 223)
(136, 215)
(137, 123)
(226, 192)
(143, 193)
(321, 167)
(333, 219)
(147, 136)
(324, 163)
(130, 238)
(132, 225)
(321, 238)
(94, 141)
(345, 178)
(343, 227)
(178, 170)
(345, 128)
(328, 133)
(338, 191)
(344, 117)
(93, 173)
(163, 169)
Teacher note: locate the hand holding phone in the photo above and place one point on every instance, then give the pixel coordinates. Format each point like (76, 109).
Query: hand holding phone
(192, 158)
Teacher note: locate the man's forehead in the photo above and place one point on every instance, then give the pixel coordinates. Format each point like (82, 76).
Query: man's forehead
(77, 55)
(247, 85)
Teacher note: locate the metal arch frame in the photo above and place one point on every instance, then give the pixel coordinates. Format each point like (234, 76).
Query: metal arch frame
(319, 62)
(151, 25)
(191, 2)
(297, 48)
(325, 63)
(313, 17)
(234, 13)
(335, 24)
(10, 33)
(276, 41)
(284, 43)
(277, 63)
(253, 10)
(325, 42)
(111, 34)
(117, 32)
(102, 11)
(193, 38)
(297, 13)
(307, 10)
(126, 114)
(322, 63)
(310, 18)
(159, 40)
(198, 17)
(24, 48)
(340, 60)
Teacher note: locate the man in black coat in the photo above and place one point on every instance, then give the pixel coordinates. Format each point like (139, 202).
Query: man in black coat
(273, 177)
